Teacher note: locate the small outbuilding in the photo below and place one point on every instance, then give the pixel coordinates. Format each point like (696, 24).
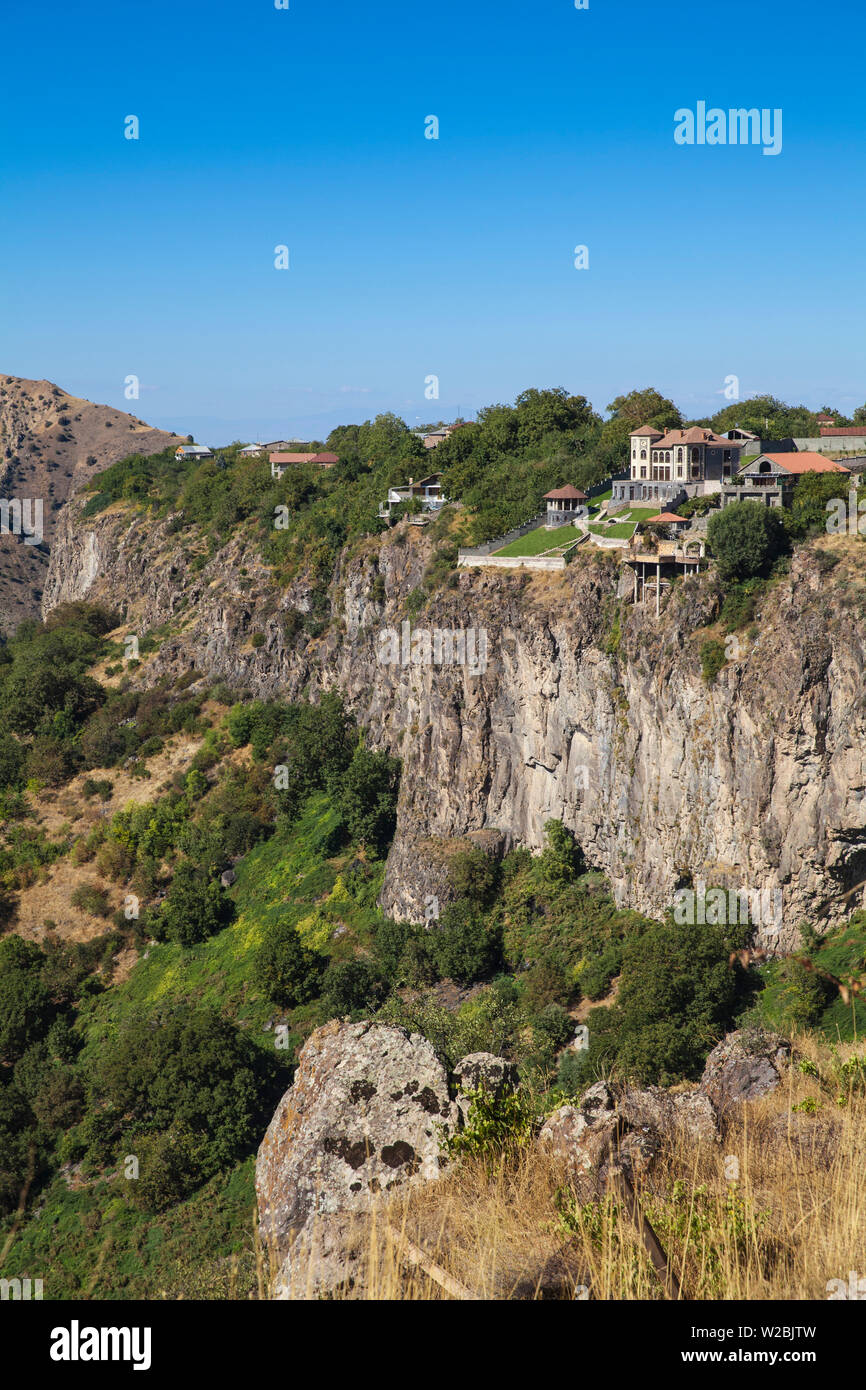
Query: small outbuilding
(564, 505)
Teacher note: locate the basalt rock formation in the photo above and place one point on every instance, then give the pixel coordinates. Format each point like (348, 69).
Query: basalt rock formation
(587, 709)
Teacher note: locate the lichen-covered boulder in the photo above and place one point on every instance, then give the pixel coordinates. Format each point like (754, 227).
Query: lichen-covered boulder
(367, 1111)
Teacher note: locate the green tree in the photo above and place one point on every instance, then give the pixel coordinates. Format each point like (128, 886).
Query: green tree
(746, 538)
(561, 859)
(368, 798)
(285, 970)
(676, 996)
(194, 908)
(26, 1009)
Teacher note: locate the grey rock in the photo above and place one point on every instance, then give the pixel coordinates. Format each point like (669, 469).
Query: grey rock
(366, 1113)
(745, 1065)
(482, 1070)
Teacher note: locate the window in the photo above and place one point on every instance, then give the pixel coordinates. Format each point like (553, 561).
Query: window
(696, 455)
(679, 455)
(680, 471)
(643, 453)
(643, 472)
(696, 472)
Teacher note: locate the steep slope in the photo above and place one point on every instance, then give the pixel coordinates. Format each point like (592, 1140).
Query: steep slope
(51, 443)
(588, 711)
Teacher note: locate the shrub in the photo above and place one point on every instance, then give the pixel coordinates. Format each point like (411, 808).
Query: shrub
(194, 908)
(676, 996)
(561, 859)
(368, 798)
(712, 659)
(746, 538)
(170, 1167)
(285, 970)
(463, 946)
(495, 1122)
(187, 1069)
(474, 875)
(26, 1009)
(91, 899)
(352, 986)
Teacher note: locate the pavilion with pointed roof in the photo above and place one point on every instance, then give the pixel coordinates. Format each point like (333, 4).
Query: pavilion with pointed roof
(564, 505)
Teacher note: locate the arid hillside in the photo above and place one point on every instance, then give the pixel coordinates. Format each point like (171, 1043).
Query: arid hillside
(51, 443)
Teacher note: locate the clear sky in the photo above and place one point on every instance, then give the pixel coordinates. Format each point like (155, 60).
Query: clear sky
(412, 257)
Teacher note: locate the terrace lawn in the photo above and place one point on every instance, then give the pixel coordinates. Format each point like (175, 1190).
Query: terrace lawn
(539, 540)
(624, 529)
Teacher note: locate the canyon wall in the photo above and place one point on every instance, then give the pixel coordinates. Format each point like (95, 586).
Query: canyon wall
(586, 711)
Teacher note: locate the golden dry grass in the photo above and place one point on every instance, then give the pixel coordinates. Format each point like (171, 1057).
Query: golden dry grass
(792, 1219)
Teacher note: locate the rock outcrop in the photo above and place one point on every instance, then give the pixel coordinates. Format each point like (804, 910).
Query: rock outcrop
(367, 1111)
(744, 1066)
(753, 782)
(51, 444)
(615, 1130)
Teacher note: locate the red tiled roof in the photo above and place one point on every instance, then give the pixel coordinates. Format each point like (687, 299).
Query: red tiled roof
(292, 458)
(568, 491)
(858, 430)
(649, 429)
(325, 458)
(694, 435)
(667, 517)
(805, 462)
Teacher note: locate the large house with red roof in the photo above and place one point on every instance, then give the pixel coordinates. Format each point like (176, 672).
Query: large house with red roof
(665, 466)
(770, 478)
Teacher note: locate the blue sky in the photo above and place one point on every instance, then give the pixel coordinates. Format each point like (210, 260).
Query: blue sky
(412, 257)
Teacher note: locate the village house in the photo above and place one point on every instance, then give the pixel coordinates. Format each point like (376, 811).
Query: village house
(428, 491)
(669, 466)
(280, 461)
(770, 478)
(432, 438)
(193, 451)
(564, 505)
(251, 451)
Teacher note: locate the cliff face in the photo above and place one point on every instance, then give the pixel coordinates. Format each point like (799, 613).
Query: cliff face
(755, 782)
(51, 443)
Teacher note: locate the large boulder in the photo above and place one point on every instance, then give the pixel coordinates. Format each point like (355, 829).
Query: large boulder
(366, 1112)
(687, 1115)
(744, 1066)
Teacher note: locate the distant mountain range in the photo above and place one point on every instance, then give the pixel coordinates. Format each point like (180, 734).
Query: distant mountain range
(51, 443)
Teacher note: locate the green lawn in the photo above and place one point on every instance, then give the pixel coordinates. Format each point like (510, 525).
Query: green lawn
(539, 540)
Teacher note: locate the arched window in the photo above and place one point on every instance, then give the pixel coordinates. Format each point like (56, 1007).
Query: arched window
(696, 456)
(643, 453)
(679, 455)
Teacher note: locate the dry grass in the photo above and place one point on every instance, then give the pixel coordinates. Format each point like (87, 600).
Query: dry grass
(793, 1219)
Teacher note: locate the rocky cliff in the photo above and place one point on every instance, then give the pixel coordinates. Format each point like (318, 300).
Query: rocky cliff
(51, 443)
(587, 709)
